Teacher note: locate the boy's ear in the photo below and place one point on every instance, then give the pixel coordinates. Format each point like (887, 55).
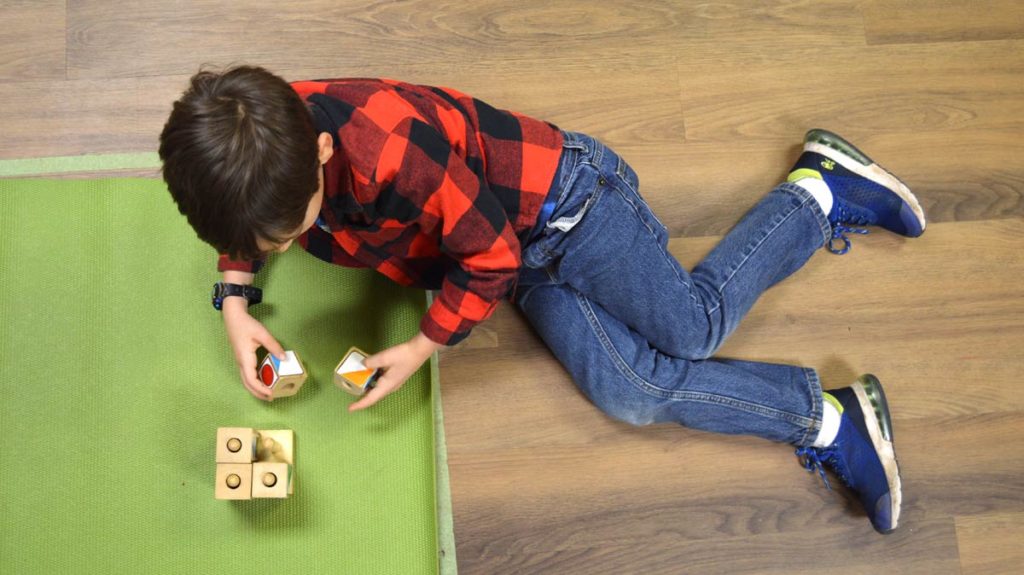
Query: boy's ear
(325, 147)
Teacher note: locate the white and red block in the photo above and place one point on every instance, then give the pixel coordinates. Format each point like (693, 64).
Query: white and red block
(283, 378)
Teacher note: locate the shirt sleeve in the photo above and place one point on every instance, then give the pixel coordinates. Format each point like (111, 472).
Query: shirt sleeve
(225, 263)
(455, 204)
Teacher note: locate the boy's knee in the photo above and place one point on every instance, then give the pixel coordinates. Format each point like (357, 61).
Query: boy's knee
(698, 347)
(635, 417)
(695, 352)
(629, 407)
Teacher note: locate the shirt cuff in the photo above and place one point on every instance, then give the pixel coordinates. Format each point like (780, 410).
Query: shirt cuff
(249, 266)
(432, 328)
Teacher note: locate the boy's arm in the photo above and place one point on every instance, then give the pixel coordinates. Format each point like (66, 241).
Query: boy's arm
(474, 231)
(238, 277)
(244, 332)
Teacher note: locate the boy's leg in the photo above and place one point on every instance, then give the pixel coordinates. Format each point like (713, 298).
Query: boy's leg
(624, 281)
(629, 379)
(604, 241)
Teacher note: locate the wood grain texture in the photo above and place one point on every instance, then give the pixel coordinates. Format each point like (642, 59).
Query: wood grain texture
(106, 41)
(903, 21)
(32, 37)
(708, 102)
(990, 543)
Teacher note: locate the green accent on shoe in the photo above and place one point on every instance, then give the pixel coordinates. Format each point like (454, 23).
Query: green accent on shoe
(804, 173)
(874, 393)
(836, 142)
(831, 399)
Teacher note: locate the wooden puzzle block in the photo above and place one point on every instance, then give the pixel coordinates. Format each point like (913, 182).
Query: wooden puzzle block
(272, 480)
(276, 446)
(282, 377)
(352, 374)
(234, 481)
(254, 463)
(236, 444)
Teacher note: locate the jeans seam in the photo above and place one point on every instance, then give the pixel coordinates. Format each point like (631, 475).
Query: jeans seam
(652, 390)
(665, 255)
(751, 249)
(814, 391)
(819, 214)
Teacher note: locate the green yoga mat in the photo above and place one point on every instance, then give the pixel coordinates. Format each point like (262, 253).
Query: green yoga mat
(117, 374)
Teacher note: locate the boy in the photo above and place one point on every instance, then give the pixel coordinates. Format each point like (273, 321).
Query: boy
(436, 189)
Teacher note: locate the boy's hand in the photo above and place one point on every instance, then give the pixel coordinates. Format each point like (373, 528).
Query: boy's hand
(246, 336)
(396, 364)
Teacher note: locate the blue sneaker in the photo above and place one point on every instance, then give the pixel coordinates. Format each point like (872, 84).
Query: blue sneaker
(862, 454)
(865, 194)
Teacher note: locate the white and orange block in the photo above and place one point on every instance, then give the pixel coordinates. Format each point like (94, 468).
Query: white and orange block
(352, 375)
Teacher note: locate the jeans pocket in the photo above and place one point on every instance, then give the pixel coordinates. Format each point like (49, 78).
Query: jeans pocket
(578, 201)
(564, 223)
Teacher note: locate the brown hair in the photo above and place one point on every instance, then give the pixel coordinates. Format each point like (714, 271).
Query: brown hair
(240, 158)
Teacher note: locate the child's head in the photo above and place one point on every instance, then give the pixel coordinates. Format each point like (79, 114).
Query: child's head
(241, 159)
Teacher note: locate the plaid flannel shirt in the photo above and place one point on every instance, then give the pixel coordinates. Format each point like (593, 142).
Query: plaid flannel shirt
(431, 188)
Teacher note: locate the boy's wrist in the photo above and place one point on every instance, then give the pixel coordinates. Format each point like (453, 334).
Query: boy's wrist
(235, 304)
(425, 345)
(223, 291)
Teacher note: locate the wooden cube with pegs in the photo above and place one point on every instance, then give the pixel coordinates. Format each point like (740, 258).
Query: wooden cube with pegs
(234, 481)
(236, 444)
(272, 479)
(255, 463)
(352, 374)
(282, 378)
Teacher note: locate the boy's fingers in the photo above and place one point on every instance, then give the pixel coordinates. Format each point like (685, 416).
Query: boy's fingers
(376, 360)
(271, 345)
(371, 397)
(247, 368)
(252, 383)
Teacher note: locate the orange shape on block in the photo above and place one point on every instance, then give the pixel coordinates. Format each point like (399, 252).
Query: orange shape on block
(360, 377)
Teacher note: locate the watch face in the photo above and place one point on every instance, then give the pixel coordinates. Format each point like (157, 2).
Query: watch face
(217, 296)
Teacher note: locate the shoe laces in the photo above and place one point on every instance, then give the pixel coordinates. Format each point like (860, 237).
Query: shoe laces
(842, 216)
(815, 459)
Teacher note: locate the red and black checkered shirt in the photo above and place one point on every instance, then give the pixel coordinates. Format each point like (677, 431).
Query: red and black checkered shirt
(430, 187)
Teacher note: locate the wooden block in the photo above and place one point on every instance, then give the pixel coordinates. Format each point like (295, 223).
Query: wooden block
(236, 444)
(352, 374)
(272, 480)
(276, 446)
(234, 481)
(254, 453)
(282, 378)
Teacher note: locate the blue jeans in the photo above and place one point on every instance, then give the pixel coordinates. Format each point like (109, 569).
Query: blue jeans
(637, 331)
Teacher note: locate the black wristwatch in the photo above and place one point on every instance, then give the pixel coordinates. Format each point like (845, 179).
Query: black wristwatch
(222, 290)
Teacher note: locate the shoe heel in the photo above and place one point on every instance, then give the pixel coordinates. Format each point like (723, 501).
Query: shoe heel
(876, 395)
(836, 142)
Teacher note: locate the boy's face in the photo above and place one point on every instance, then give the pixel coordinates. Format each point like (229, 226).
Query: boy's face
(312, 212)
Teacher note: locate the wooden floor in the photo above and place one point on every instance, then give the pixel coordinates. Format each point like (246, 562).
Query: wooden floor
(708, 101)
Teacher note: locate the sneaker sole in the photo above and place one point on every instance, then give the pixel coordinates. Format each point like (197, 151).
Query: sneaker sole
(871, 397)
(828, 144)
